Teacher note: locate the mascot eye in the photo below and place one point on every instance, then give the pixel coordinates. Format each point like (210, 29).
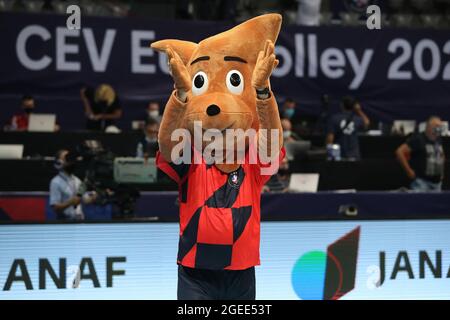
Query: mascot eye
(235, 82)
(199, 83)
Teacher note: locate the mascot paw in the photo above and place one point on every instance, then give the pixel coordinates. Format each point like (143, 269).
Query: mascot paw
(179, 72)
(265, 64)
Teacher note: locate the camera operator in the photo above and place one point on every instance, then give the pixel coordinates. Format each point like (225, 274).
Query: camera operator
(65, 199)
(344, 127)
(426, 157)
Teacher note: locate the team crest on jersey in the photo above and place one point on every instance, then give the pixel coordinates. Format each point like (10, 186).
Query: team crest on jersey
(233, 179)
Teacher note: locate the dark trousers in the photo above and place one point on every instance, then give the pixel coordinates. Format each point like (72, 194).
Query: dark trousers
(202, 284)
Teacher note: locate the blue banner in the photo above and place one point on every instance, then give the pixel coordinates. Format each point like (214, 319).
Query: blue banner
(396, 73)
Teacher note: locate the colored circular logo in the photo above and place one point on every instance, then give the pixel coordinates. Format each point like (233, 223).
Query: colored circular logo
(308, 275)
(233, 179)
(329, 275)
(317, 276)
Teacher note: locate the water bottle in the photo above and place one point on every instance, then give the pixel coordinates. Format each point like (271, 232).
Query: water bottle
(140, 151)
(333, 152)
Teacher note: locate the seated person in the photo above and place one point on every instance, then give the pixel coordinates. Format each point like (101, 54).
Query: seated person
(288, 109)
(288, 134)
(152, 111)
(148, 145)
(102, 107)
(19, 122)
(422, 157)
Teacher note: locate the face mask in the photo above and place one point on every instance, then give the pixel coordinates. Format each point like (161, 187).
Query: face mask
(289, 112)
(151, 138)
(28, 110)
(153, 113)
(286, 134)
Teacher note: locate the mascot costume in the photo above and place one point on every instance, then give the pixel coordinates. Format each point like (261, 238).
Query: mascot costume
(223, 83)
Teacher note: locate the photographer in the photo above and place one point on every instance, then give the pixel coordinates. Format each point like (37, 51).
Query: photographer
(344, 127)
(426, 157)
(64, 188)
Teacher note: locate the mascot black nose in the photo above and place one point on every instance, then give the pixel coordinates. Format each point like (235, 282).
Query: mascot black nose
(212, 110)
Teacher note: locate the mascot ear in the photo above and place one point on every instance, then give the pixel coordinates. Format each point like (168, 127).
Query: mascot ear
(256, 31)
(247, 39)
(261, 28)
(185, 49)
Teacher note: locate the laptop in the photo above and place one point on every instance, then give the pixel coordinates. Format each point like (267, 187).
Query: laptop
(11, 151)
(304, 182)
(42, 122)
(405, 126)
(296, 149)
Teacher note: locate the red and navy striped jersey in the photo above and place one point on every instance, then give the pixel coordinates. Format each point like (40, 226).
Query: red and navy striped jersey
(219, 214)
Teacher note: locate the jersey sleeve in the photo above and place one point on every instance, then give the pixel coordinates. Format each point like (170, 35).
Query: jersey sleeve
(176, 172)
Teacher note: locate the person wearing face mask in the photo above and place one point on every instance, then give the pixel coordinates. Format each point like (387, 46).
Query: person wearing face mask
(152, 111)
(148, 145)
(102, 107)
(288, 134)
(65, 199)
(422, 157)
(288, 109)
(19, 122)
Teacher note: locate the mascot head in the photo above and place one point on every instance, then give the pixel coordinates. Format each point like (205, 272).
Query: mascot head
(221, 68)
